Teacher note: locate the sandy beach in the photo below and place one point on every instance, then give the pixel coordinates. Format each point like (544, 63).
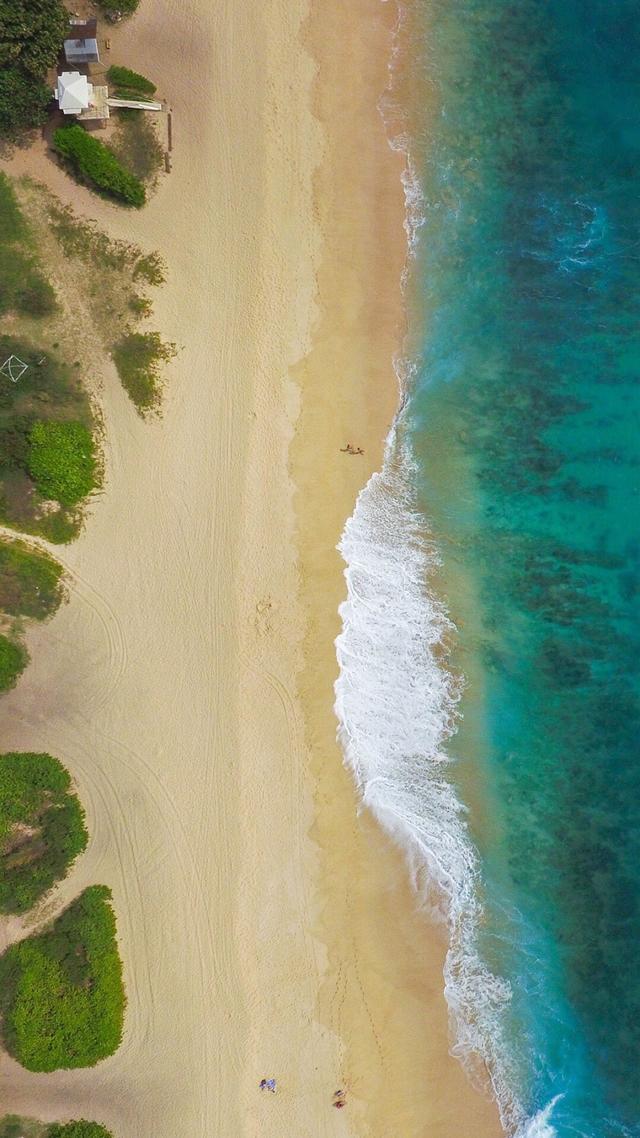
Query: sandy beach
(266, 927)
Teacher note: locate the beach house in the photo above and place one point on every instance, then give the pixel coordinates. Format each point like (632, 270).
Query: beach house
(77, 96)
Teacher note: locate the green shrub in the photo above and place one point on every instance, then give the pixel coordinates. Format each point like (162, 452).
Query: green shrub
(138, 357)
(96, 163)
(123, 77)
(62, 461)
(81, 1129)
(30, 581)
(12, 1126)
(150, 268)
(42, 828)
(140, 305)
(126, 7)
(13, 661)
(61, 991)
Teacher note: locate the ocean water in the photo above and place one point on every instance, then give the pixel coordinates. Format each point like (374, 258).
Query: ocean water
(489, 690)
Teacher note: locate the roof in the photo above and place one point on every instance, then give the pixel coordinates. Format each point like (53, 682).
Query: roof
(74, 92)
(81, 44)
(81, 48)
(82, 29)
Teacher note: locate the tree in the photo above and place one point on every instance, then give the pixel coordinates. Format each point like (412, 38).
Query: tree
(31, 34)
(23, 102)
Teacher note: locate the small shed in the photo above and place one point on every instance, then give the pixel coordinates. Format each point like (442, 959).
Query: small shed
(81, 46)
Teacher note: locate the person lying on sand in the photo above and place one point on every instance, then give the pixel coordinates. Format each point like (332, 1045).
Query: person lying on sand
(350, 449)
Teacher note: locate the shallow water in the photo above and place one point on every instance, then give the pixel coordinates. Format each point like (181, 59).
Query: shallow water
(510, 500)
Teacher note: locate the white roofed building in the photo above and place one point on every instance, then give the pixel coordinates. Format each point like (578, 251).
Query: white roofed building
(74, 92)
(77, 96)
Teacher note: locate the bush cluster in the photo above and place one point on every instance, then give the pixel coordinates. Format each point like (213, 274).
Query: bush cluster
(137, 357)
(81, 1129)
(122, 77)
(112, 8)
(42, 828)
(98, 165)
(30, 581)
(12, 1126)
(48, 391)
(62, 461)
(13, 661)
(61, 992)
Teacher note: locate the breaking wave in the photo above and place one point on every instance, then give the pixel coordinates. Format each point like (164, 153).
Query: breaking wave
(397, 705)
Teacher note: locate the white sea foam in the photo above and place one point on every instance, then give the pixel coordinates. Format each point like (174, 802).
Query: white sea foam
(396, 704)
(539, 1125)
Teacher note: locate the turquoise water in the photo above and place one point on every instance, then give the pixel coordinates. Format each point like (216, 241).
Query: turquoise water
(524, 422)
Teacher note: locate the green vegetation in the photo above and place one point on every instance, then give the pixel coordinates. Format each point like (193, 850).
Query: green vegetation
(62, 461)
(42, 828)
(12, 1126)
(123, 78)
(23, 288)
(31, 35)
(138, 356)
(113, 278)
(30, 581)
(84, 240)
(23, 103)
(81, 1129)
(140, 305)
(125, 7)
(13, 661)
(149, 268)
(137, 145)
(48, 392)
(97, 165)
(61, 992)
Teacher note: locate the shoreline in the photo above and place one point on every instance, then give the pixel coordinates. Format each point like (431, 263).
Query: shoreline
(266, 927)
(383, 990)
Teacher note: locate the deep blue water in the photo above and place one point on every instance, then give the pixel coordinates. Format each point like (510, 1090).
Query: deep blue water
(524, 419)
